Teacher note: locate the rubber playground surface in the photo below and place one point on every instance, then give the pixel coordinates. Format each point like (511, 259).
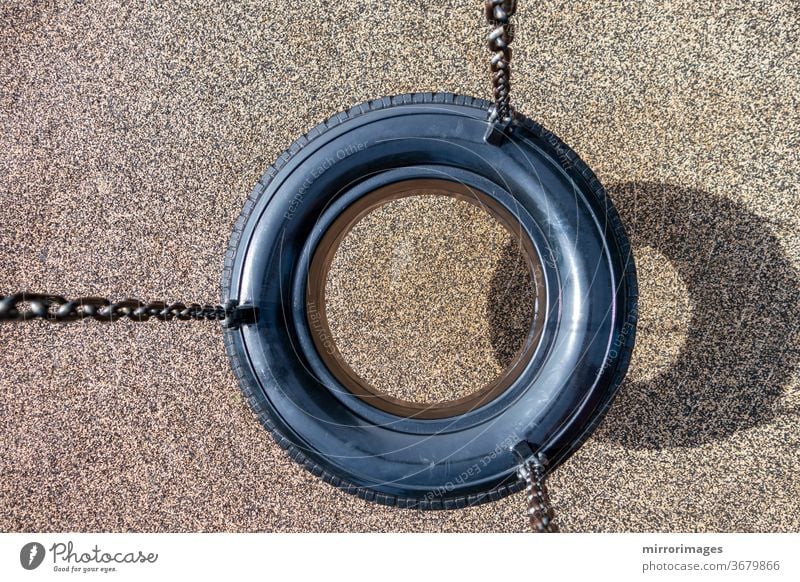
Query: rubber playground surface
(131, 137)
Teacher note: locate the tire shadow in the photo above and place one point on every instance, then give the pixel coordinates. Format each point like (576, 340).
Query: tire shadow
(740, 347)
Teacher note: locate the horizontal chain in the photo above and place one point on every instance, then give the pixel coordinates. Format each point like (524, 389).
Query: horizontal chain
(27, 306)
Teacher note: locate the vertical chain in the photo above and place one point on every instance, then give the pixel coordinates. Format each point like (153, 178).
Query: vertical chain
(498, 13)
(540, 512)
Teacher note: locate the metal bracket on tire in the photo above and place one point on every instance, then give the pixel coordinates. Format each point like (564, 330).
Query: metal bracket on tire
(498, 128)
(238, 315)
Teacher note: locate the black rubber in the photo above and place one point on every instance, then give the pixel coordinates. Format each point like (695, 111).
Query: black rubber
(574, 374)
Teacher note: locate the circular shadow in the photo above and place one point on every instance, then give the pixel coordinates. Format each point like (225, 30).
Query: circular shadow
(740, 346)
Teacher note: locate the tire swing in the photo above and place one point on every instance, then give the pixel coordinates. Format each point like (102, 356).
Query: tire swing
(513, 431)
(503, 437)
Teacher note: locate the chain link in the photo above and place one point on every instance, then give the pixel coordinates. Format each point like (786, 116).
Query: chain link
(498, 13)
(540, 512)
(27, 306)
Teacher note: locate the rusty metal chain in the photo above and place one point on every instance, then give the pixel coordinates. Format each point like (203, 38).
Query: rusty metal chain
(540, 512)
(498, 13)
(28, 306)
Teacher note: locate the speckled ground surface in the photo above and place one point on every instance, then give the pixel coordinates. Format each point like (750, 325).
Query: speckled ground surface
(411, 297)
(131, 134)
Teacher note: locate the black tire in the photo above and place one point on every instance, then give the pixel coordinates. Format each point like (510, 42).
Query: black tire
(586, 343)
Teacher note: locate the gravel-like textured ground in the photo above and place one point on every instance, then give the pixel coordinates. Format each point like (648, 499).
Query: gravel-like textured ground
(131, 133)
(411, 298)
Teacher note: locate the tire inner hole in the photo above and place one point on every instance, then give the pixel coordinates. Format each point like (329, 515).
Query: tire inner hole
(429, 298)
